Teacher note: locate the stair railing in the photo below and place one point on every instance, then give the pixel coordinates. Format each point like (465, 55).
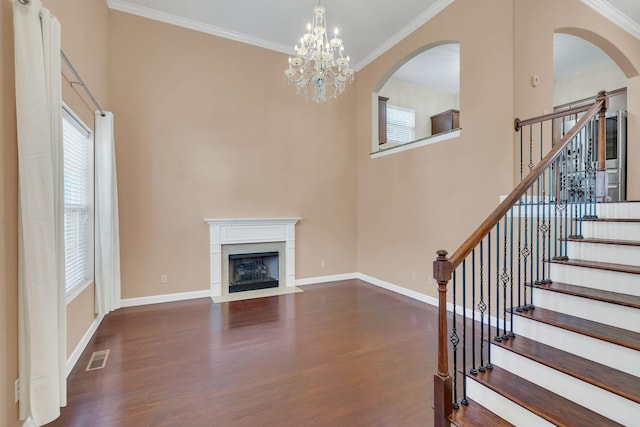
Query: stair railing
(494, 271)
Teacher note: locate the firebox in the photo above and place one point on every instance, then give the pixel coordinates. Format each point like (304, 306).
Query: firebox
(248, 272)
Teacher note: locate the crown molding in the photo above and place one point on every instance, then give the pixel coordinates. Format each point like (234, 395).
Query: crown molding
(420, 20)
(191, 24)
(605, 9)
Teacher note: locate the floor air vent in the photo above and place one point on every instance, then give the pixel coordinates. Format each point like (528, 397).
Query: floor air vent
(98, 360)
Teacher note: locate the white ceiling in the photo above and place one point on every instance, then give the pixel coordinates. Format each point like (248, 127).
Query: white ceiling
(367, 27)
(572, 54)
(438, 67)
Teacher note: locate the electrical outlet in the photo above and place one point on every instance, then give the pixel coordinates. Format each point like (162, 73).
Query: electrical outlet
(17, 390)
(323, 263)
(164, 278)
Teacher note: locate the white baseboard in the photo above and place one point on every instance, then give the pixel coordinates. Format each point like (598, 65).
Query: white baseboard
(425, 298)
(158, 299)
(75, 356)
(398, 289)
(324, 279)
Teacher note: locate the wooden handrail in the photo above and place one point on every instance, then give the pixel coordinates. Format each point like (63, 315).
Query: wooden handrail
(519, 124)
(465, 249)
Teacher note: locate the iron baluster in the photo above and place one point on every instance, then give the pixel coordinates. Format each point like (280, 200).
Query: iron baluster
(473, 370)
(464, 400)
(498, 337)
(455, 340)
(482, 307)
(505, 279)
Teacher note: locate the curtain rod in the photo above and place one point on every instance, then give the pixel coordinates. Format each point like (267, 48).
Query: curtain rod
(79, 82)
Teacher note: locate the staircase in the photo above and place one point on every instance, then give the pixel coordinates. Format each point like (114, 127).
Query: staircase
(575, 358)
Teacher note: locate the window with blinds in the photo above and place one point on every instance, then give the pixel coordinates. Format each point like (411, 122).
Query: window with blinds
(401, 124)
(78, 201)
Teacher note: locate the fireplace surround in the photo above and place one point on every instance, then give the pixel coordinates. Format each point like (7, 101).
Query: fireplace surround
(228, 236)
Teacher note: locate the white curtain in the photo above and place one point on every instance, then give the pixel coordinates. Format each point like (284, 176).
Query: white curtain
(107, 230)
(41, 306)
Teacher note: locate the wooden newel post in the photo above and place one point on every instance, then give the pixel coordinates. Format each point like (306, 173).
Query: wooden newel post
(442, 395)
(602, 126)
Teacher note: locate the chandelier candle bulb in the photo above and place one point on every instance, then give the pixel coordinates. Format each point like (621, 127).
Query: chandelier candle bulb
(315, 71)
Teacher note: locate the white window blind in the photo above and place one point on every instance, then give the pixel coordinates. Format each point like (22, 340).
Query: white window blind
(78, 201)
(401, 124)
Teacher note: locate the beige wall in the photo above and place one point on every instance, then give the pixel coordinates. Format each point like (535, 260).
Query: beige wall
(208, 128)
(8, 224)
(412, 203)
(535, 24)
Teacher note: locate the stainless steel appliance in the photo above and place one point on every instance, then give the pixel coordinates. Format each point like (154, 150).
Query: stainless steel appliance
(616, 154)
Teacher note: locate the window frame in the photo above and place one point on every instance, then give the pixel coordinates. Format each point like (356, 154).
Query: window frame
(74, 120)
(400, 127)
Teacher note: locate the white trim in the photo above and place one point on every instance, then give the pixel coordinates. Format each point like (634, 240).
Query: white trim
(614, 15)
(225, 231)
(169, 18)
(191, 24)
(325, 279)
(29, 423)
(427, 299)
(417, 144)
(158, 299)
(75, 356)
(420, 20)
(399, 289)
(77, 290)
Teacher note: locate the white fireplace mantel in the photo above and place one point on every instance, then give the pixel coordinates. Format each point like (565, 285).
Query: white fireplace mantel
(226, 231)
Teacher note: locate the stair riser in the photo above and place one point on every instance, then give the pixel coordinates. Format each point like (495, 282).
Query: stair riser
(614, 281)
(597, 311)
(617, 254)
(611, 230)
(618, 210)
(596, 399)
(618, 357)
(506, 408)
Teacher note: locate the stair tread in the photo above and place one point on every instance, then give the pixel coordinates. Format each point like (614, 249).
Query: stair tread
(611, 219)
(602, 376)
(623, 268)
(591, 293)
(605, 241)
(612, 334)
(542, 402)
(475, 414)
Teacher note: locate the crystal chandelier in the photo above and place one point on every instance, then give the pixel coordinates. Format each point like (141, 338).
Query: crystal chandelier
(315, 70)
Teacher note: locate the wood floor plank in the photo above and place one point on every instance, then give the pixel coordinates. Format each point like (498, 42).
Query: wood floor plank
(619, 336)
(338, 354)
(547, 405)
(591, 293)
(597, 374)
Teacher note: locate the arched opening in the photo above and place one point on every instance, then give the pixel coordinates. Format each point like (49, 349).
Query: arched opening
(418, 98)
(581, 69)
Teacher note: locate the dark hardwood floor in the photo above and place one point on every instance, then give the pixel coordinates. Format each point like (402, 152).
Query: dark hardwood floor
(338, 354)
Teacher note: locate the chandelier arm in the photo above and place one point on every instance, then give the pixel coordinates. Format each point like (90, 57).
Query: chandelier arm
(315, 71)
